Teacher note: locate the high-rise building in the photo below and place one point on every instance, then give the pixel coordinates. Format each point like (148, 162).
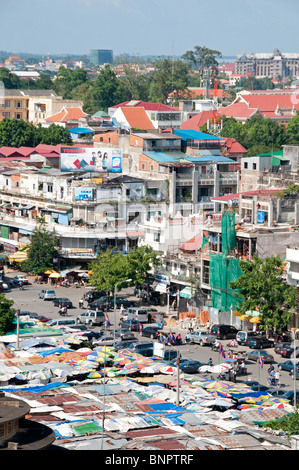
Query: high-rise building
(101, 56)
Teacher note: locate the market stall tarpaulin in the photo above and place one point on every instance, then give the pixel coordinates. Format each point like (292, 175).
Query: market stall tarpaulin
(18, 256)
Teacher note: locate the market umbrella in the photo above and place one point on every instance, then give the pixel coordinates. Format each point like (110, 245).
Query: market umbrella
(54, 275)
(218, 368)
(243, 317)
(49, 271)
(255, 320)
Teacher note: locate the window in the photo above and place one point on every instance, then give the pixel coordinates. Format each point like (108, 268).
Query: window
(254, 166)
(50, 188)
(152, 167)
(157, 236)
(18, 104)
(6, 103)
(245, 165)
(143, 166)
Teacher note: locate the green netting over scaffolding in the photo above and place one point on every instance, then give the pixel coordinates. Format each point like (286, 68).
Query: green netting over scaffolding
(223, 268)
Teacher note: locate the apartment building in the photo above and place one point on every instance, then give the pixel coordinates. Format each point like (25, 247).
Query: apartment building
(33, 105)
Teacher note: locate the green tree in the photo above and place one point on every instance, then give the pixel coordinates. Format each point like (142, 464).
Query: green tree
(108, 90)
(7, 315)
(108, 269)
(141, 260)
(67, 80)
(170, 75)
(260, 287)
(53, 135)
(17, 133)
(202, 57)
(289, 424)
(42, 250)
(292, 133)
(9, 79)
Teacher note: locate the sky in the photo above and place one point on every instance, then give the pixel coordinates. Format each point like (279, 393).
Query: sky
(148, 27)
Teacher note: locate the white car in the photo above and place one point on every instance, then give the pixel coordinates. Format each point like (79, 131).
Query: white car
(47, 294)
(104, 341)
(20, 278)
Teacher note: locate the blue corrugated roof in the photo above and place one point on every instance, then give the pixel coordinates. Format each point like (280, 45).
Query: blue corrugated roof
(195, 135)
(161, 157)
(80, 130)
(209, 159)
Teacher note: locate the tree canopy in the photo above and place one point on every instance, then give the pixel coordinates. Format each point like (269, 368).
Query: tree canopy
(261, 288)
(7, 315)
(41, 251)
(17, 133)
(112, 267)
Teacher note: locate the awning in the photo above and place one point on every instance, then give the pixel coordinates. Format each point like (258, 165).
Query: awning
(27, 207)
(186, 292)
(18, 256)
(161, 287)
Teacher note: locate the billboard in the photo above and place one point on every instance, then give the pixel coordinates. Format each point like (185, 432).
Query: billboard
(94, 160)
(84, 194)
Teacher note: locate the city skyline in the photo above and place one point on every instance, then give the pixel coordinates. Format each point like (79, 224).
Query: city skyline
(147, 28)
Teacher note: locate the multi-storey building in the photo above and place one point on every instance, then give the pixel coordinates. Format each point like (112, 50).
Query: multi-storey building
(268, 65)
(33, 105)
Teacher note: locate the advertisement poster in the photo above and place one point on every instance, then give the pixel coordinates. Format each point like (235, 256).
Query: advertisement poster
(94, 160)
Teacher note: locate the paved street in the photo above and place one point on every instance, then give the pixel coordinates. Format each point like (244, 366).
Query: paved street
(27, 299)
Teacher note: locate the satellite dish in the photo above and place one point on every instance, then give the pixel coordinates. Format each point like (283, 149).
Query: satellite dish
(230, 203)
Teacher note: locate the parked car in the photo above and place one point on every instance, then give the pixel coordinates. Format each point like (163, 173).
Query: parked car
(92, 295)
(125, 344)
(189, 366)
(224, 331)
(3, 286)
(151, 331)
(118, 301)
(20, 278)
(281, 346)
(91, 318)
(99, 305)
(256, 354)
(259, 343)
(144, 348)
(129, 324)
(259, 388)
(276, 392)
(62, 322)
(288, 352)
(47, 294)
(202, 337)
(290, 396)
(106, 340)
(62, 302)
(288, 365)
(244, 336)
(123, 334)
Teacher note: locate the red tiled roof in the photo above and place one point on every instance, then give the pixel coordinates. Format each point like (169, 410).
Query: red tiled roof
(197, 121)
(147, 106)
(233, 146)
(268, 102)
(238, 109)
(193, 92)
(137, 118)
(67, 114)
